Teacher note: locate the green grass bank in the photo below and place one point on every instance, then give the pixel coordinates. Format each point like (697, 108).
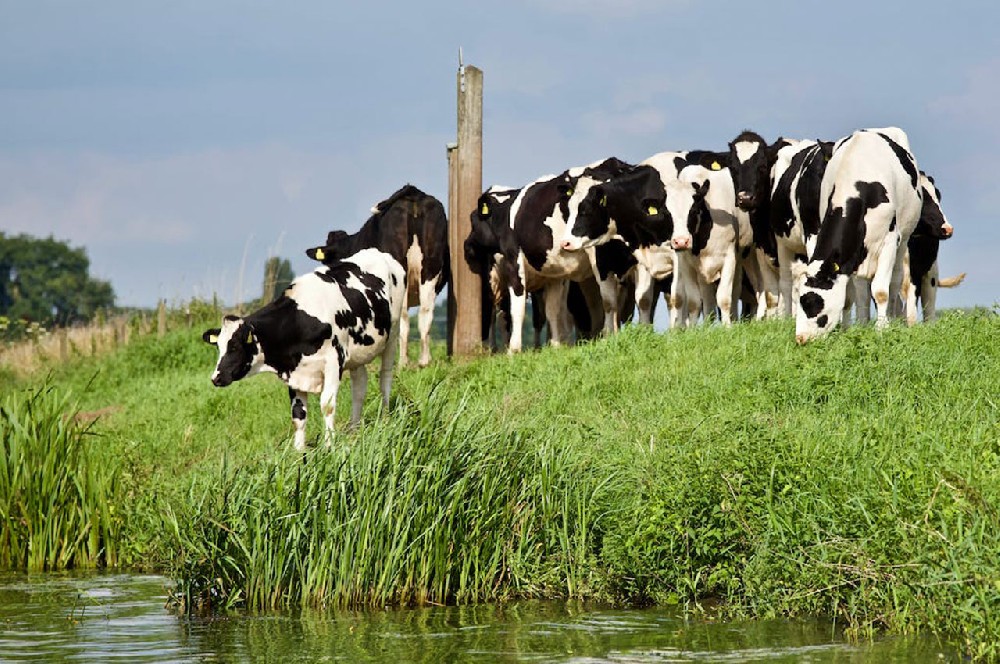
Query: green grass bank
(856, 478)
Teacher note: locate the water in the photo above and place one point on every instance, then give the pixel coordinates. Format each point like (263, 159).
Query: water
(106, 618)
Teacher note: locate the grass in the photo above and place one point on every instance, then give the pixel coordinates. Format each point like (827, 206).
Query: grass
(854, 478)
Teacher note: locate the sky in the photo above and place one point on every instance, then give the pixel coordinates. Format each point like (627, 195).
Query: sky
(182, 143)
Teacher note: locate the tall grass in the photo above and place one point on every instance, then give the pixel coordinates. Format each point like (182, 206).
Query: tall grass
(855, 478)
(57, 497)
(434, 505)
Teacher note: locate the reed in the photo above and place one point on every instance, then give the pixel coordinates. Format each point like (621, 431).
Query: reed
(57, 497)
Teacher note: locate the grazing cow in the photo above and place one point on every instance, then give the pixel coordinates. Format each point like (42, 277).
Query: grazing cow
(796, 177)
(411, 226)
(337, 318)
(537, 218)
(920, 279)
(869, 205)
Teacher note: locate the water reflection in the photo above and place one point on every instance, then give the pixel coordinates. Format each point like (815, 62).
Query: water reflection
(109, 617)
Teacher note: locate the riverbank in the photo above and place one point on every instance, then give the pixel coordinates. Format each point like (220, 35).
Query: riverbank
(854, 478)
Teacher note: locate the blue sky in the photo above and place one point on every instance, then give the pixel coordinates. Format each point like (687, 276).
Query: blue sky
(183, 142)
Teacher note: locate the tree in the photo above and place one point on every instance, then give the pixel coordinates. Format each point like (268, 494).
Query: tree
(48, 281)
(277, 277)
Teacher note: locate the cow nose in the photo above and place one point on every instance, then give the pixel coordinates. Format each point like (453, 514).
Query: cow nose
(567, 245)
(948, 229)
(217, 380)
(745, 200)
(801, 338)
(681, 243)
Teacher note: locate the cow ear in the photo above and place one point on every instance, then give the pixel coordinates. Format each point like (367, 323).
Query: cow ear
(652, 207)
(565, 190)
(211, 336)
(316, 253)
(484, 209)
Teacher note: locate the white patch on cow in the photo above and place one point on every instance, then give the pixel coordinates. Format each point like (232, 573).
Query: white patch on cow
(414, 264)
(746, 149)
(664, 164)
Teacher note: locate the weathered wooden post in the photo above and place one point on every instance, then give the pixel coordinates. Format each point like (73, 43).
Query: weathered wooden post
(161, 319)
(466, 172)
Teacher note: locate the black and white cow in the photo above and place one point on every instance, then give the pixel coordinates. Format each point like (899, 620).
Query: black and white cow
(921, 279)
(629, 205)
(412, 227)
(869, 205)
(538, 218)
(751, 161)
(796, 177)
(337, 318)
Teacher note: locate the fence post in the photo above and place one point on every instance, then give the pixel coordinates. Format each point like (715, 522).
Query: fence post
(161, 319)
(466, 162)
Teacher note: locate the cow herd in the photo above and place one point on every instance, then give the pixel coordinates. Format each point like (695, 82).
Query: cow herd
(814, 229)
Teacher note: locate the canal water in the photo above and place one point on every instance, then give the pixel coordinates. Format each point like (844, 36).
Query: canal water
(107, 617)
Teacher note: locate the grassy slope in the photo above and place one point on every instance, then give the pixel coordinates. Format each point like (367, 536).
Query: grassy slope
(855, 477)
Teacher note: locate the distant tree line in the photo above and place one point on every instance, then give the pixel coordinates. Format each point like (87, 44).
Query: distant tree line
(45, 280)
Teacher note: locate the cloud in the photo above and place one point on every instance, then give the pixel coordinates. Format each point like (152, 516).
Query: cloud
(646, 121)
(605, 9)
(978, 104)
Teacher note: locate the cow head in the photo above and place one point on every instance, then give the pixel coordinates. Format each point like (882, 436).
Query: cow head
(334, 250)
(751, 159)
(822, 296)
(589, 222)
(239, 350)
(932, 221)
(482, 242)
(685, 204)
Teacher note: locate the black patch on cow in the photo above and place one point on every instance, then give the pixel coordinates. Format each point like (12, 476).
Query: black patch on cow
(822, 320)
(699, 221)
(407, 214)
(287, 334)
(628, 199)
(905, 159)
(824, 278)
(841, 238)
(368, 304)
(802, 258)
(933, 282)
(614, 257)
(238, 355)
(812, 304)
(892, 224)
(298, 407)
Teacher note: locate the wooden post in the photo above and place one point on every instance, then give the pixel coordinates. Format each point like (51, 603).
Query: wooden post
(467, 162)
(452, 149)
(161, 319)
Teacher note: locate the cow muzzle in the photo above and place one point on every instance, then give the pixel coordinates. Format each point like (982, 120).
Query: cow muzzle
(746, 201)
(220, 381)
(571, 245)
(947, 230)
(681, 243)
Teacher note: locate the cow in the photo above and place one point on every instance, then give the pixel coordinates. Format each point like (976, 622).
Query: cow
(337, 318)
(796, 176)
(920, 279)
(751, 161)
(870, 202)
(629, 206)
(412, 227)
(535, 260)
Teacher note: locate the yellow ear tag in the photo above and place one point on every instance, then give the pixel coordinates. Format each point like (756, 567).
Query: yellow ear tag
(652, 210)
(213, 338)
(836, 268)
(320, 254)
(604, 201)
(569, 192)
(716, 166)
(249, 337)
(485, 210)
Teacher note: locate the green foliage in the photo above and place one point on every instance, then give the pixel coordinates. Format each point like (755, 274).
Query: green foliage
(59, 502)
(45, 280)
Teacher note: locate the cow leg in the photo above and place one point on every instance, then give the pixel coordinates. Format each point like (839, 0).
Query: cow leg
(385, 372)
(359, 386)
(328, 398)
(404, 335)
(908, 292)
(862, 299)
(767, 297)
(881, 283)
(928, 292)
(424, 319)
(609, 303)
(785, 258)
(725, 289)
(299, 401)
(517, 305)
(555, 311)
(644, 294)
